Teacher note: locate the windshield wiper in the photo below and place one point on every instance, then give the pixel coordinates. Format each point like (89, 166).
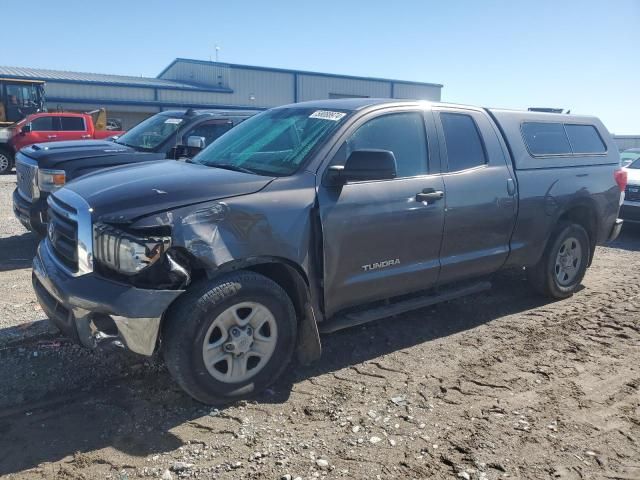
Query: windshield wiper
(231, 166)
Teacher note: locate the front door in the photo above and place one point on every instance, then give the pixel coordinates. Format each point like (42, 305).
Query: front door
(480, 195)
(380, 238)
(44, 128)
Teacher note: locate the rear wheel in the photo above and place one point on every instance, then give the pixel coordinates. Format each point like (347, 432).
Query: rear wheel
(229, 338)
(6, 161)
(564, 262)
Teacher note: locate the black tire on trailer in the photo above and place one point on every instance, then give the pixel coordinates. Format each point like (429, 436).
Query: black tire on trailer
(230, 337)
(564, 262)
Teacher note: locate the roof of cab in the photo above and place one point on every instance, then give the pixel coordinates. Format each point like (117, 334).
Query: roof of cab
(361, 103)
(348, 103)
(213, 112)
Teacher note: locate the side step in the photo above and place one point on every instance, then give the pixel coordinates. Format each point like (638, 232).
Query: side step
(358, 318)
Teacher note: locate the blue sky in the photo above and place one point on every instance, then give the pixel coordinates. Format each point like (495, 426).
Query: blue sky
(583, 55)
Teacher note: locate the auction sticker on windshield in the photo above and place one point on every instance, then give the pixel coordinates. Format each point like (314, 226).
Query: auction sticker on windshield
(327, 115)
(173, 121)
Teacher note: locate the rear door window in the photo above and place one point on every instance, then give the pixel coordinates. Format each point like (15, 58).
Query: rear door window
(544, 138)
(72, 124)
(464, 146)
(585, 139)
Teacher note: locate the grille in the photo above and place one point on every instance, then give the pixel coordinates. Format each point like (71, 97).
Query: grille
(26, 173)
(62, 232)
(632, 193)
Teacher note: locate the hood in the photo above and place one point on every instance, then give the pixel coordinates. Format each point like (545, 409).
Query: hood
(122, 194)
(55, 154)
(633, 176)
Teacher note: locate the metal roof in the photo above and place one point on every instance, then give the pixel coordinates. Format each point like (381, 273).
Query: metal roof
(97, 78)
(286, 70)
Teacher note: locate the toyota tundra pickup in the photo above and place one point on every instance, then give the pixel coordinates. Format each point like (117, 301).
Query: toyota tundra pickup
(44, 168)
(319, 216)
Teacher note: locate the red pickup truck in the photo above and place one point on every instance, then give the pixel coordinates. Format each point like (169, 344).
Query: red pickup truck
(47, 127)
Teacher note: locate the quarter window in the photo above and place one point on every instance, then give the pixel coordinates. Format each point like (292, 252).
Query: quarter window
(401, 133)
(585, 139)
(546, 138)
(72, 124)
(464, 145)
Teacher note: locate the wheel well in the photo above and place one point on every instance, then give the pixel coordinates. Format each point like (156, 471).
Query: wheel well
(289, 279)
(585, 217)
(4, 148)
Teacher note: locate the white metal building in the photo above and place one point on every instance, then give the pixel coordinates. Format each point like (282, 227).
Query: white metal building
(202, 84)
(625, 142)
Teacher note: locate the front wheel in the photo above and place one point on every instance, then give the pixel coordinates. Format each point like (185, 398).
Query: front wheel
(6, 162)
(564, 262)
(229, 338)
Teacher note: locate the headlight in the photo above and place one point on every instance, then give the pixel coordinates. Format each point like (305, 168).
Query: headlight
(126, 253)
(50, 180)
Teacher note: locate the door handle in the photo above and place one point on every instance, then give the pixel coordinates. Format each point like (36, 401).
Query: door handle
(429, 195)
(86, 136)
(52, 136)
(511, 187)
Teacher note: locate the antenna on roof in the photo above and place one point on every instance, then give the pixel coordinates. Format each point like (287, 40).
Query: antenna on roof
(217, 51)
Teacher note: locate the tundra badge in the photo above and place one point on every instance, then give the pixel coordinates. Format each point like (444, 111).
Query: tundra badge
(383, 264)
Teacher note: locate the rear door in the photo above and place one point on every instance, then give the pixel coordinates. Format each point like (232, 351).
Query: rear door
(480, 195)
(73, 128)
(379, 239)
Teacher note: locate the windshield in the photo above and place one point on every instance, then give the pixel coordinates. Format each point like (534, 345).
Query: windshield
(22, 100)
(635, 165)
(275, 142)
(150, 133)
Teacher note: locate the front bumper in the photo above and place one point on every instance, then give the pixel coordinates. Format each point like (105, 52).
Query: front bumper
(78, 306)
(630, 212)
(33, 215)
(615, 230)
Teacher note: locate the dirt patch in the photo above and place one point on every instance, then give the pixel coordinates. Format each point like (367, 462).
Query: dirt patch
(498, 385)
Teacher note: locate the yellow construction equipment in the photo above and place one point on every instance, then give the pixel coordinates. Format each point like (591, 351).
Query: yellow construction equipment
(19, 98)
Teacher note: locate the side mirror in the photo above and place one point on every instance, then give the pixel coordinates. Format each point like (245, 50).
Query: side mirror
(196, 142)
(25, 129)
(363, 165)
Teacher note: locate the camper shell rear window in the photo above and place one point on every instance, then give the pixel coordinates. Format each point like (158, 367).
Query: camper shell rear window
(564, 139)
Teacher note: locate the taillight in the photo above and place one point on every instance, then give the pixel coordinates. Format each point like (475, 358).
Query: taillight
(621, 179)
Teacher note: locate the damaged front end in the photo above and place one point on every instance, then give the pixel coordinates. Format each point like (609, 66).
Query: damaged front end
(104, 283)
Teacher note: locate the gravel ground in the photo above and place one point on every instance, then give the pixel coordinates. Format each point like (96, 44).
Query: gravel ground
(499, 385)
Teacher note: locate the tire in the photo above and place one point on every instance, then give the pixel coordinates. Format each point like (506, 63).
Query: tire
(6, 161)
(564, 262)
(199, 320)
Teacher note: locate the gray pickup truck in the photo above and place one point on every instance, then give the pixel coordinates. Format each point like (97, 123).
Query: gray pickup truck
(318, 216)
